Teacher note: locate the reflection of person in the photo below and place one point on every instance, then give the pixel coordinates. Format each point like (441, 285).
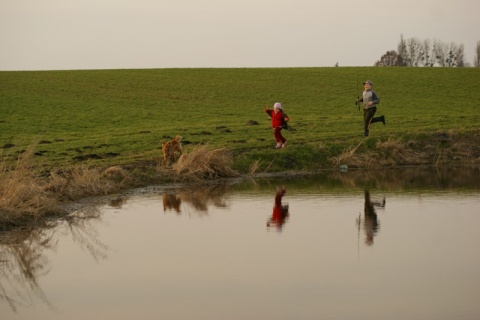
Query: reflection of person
(370, 101)
(277, 124)
(280, 212)
(370, 221)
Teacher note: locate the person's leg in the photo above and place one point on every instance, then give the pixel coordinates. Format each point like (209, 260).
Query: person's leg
(282, 138)
(276, 134)
(279, 137)
(368, 117)
(379, 119)
(284, 141)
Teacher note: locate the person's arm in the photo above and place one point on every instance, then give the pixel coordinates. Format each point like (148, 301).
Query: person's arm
(375, 98)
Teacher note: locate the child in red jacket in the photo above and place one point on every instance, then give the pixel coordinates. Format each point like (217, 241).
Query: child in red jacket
(277, 124)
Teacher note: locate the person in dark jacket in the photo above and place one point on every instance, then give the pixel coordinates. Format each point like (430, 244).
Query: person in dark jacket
(370, 101)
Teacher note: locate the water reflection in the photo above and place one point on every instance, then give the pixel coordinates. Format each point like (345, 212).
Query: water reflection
(199, 198)
(23, 251)
(23, 254)
(117, 202)
(27, 255)
(370, 223)
(280, 213)
(171, 201)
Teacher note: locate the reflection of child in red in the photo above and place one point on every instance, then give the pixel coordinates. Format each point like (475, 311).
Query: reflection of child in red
(280, 212)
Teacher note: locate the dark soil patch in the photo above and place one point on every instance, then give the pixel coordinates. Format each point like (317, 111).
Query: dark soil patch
(89, 156)
(40, 152)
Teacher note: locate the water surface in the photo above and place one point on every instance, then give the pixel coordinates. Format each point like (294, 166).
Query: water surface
(352, 245)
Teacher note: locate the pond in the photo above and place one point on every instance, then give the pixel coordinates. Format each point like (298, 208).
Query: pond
(391, 244)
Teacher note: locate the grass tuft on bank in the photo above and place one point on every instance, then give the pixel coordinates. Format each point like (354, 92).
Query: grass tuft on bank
(203, 163)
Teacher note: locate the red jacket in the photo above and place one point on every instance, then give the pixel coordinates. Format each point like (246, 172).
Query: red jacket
(276, 118)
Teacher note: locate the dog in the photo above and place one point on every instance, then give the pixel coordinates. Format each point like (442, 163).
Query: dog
(170, 150)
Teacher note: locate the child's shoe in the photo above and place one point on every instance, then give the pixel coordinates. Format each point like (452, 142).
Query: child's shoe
(284, 144)
(279, 145)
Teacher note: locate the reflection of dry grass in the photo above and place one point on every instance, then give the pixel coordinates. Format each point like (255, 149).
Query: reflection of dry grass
(203, 163)
(23, 257)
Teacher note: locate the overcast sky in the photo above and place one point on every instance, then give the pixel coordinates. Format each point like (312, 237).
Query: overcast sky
(124, 34)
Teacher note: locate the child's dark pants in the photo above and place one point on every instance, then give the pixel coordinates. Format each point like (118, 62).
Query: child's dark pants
(368, 117)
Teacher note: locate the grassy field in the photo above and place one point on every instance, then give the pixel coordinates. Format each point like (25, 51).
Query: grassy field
(118, 117)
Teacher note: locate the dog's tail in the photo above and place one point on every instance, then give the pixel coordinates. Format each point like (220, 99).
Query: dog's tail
(177, 138)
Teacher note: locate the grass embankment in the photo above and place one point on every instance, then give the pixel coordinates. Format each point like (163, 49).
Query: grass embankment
(96, 119)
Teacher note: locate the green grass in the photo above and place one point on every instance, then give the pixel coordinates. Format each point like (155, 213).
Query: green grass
(122, 116)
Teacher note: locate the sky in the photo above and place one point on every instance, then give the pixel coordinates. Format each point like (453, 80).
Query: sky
(134, 34)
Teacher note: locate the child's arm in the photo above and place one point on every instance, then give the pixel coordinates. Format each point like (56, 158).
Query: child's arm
(375, 98)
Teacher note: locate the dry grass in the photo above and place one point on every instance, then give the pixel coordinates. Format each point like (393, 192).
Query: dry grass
(22, 191)
(77, 182)
(389, 153)
(394, 152)
(347, 157)
(440, 149)
(460, 148)
(116, 173)
(25, 193)
(203, 163)
(254, 166)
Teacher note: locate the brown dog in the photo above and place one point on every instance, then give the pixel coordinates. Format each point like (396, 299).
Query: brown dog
(170, 150)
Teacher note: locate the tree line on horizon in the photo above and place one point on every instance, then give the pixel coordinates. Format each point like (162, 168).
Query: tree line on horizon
(413, 52)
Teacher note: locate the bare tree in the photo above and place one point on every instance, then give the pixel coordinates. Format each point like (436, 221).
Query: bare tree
(439, 49)
(428, 56)
(402, 51)
(476, 58)
(413, 52)
(389, 59)
(460, 57)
